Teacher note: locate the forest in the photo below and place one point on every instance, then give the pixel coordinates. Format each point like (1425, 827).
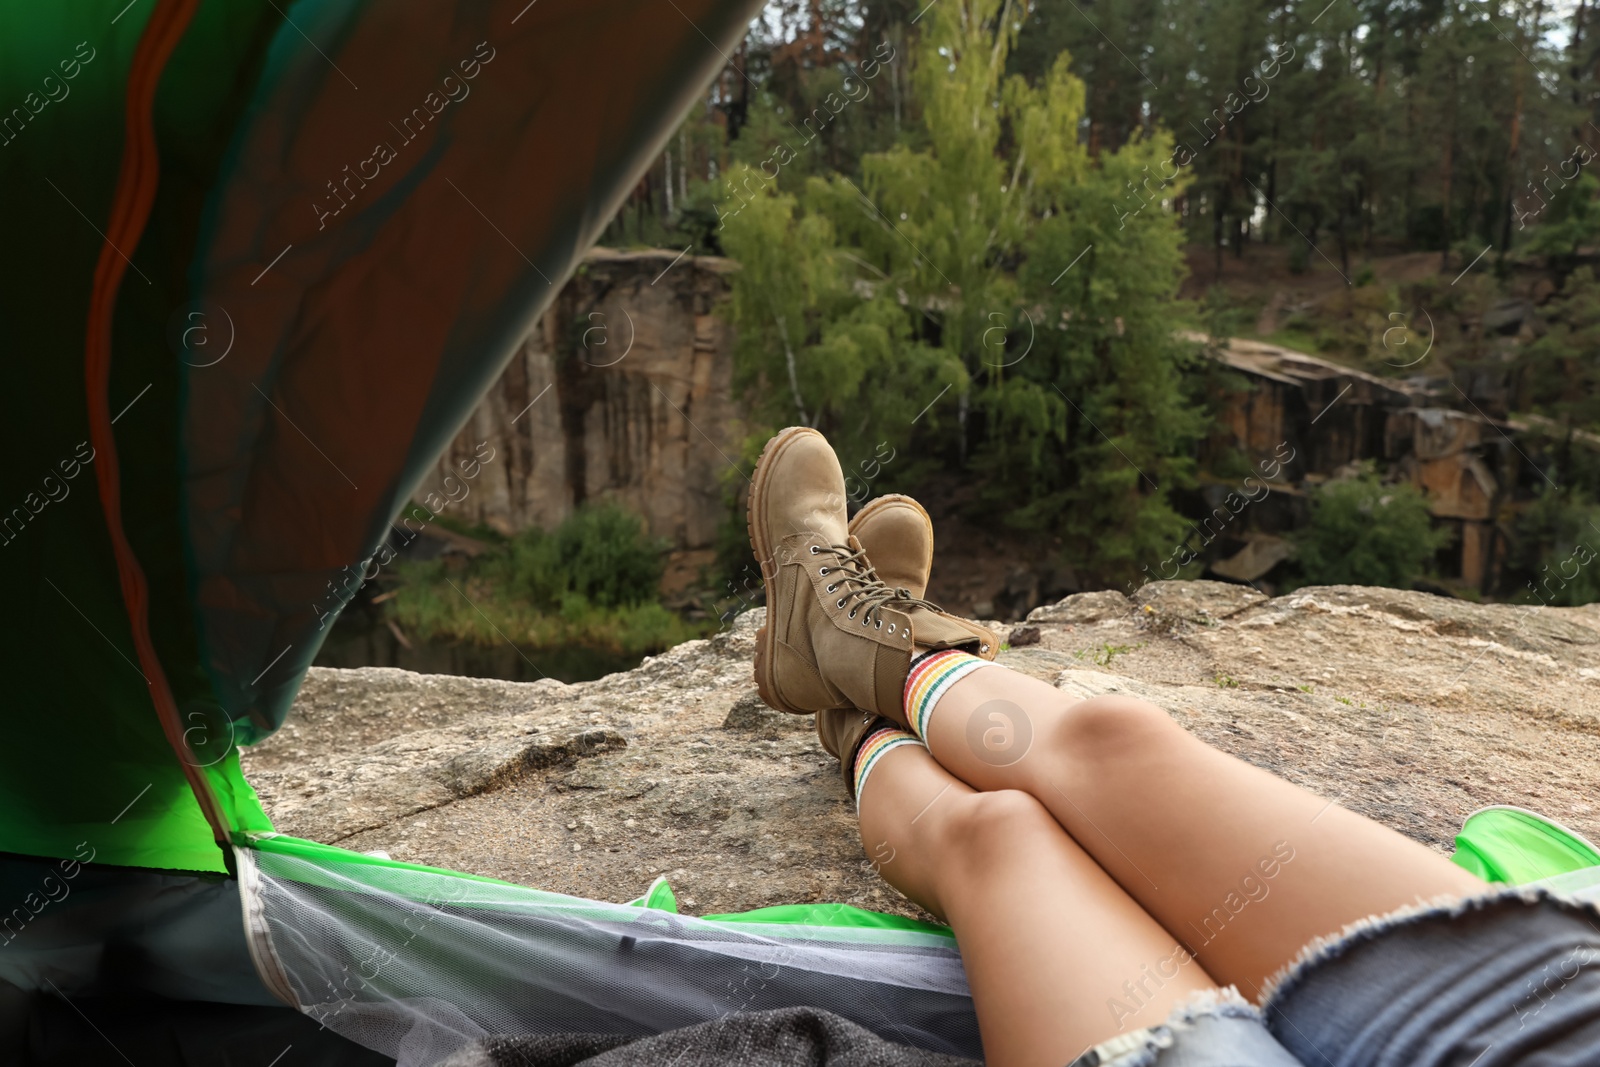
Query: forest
(1366, 127)
(1000, 251)
(1038, 207)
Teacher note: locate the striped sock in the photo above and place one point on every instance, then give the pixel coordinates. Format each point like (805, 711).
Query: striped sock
(931, 676)
(872, 749)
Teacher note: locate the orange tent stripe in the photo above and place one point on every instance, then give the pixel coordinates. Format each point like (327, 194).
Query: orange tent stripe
(130, 211)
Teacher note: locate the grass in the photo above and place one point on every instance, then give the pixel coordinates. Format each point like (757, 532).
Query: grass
(593, 581)
(1103, 655)
(438, 601)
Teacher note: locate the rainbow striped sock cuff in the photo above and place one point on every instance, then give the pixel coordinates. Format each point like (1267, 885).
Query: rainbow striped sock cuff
(872, 749)
(930, 678)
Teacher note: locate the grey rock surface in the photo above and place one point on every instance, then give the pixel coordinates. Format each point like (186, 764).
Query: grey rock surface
(1412, 709)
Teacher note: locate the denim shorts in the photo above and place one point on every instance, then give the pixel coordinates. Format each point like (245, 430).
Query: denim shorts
(1509, 977)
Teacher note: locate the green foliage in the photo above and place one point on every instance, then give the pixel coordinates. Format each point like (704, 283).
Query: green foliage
(1558, 539)
(1560, 372)
(1572, 221)
(1366, 124)
(997, 261)
(1363, 532)
(813, 347)
(1106, 653)
(600, 553)
(593, 580)
(1221, 316)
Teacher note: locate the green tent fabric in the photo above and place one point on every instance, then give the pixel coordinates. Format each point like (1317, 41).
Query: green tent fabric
(1516, 846)
(838, 916)
(261, 260)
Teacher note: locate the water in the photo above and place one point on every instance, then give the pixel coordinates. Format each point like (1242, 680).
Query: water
(360, 638)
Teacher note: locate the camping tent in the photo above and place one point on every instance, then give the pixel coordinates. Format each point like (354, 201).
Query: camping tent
(260, 261)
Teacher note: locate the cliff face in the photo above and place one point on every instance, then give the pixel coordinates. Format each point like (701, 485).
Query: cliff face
(622, 391)
(1412, 709)
(1331, 415)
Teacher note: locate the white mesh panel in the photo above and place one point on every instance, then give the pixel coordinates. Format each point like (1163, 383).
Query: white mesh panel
(1583, 884)
(416, 964)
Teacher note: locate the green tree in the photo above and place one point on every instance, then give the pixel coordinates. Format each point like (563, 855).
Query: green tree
(1559, 374)
(1572, 221)
(994, 257)
(1363, 532)
(1558, 542)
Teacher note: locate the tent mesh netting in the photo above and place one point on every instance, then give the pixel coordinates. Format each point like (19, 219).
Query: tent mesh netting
(416, 963)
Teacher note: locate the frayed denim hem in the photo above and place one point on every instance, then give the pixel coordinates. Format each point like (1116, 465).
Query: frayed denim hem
(1322, 950)
(1141, 1048)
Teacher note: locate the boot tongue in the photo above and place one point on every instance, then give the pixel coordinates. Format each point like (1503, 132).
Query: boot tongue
(935, 630)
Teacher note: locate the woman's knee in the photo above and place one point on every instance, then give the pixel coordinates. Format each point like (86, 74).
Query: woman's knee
(980, 825)
(1109, 726)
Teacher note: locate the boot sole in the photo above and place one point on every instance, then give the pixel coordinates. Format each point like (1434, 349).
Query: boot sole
(765, 654)
(900, 498)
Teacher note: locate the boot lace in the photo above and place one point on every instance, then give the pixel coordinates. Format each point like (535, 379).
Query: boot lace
(854, 579)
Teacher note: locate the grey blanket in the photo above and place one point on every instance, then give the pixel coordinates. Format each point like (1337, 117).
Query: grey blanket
(789, 1037)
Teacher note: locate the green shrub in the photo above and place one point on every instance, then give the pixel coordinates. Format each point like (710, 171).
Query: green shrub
(1363, 532)
(1558, 536)
(600, 554)
(1572, 221)
(593, 581)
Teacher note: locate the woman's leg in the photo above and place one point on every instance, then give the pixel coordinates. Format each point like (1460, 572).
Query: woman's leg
(1240, 865)
(1057, 956)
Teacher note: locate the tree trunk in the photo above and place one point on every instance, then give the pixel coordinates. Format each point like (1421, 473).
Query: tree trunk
(1241, 226)
(1447, 166)
(1216, 237)
(1344, 247)
(1514, 140)
(1575, 71)
(1271, 230)
(1411, 178)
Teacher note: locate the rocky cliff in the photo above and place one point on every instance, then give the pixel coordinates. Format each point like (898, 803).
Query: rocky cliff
(1409, 708)
(623, 391)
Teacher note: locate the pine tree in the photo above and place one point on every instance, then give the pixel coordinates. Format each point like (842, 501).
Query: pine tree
(994, 257)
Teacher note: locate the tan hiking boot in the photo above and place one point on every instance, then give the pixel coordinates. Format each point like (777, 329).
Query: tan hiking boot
(841, 731)
(836, 635)
(897, 536)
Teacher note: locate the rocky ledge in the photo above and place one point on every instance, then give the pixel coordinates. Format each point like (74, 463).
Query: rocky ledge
(1409, 708)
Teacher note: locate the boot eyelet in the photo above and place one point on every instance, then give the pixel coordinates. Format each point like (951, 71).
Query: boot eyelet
(824, 570)
(891, 627)
(865, 620)
(814, 550)
(880, 625)
(852, 613)
(832, 587)
(840, 604)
